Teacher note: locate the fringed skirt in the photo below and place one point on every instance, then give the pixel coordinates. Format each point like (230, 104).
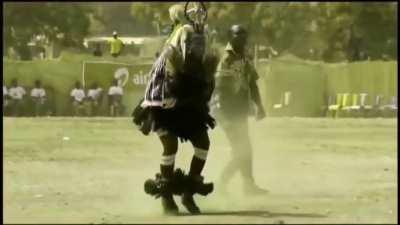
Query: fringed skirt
(176, 106)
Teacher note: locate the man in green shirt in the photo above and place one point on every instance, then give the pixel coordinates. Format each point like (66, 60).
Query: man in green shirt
(236, 92)
(116, 45)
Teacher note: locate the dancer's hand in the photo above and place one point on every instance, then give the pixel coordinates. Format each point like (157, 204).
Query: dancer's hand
(211, 122)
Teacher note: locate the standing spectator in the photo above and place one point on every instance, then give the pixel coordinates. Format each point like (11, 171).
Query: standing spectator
(16, 94)
(115, 98)
(116, 45)
(42, 53)
(5, 99)
(77, 98)
(38, 95)
(94, 97)
(97, 50)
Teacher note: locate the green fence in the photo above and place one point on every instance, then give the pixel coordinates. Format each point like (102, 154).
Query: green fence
(310, 83)
(58, 78)
(133, 78)
(304, 81)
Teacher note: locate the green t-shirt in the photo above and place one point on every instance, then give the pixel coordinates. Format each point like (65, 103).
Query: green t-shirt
(233, 78)
(116, 46)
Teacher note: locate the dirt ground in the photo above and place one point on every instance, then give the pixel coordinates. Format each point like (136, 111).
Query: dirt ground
(80, 170)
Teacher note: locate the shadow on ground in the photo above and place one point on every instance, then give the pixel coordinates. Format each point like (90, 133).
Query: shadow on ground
(258, 213)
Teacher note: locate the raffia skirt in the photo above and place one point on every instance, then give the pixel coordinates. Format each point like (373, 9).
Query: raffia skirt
(177, 107)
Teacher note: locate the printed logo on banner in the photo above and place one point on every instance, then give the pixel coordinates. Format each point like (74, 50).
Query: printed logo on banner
(140, 78)
(129, 77)
(122, 75)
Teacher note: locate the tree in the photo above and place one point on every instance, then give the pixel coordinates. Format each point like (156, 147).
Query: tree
(146, 14)
(340, 30)
(110, 16)
(67, 23)
(333, 29)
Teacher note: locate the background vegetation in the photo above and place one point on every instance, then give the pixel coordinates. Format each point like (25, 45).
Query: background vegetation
(334, 31)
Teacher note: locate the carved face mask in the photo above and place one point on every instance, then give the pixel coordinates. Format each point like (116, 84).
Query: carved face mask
(195, 47)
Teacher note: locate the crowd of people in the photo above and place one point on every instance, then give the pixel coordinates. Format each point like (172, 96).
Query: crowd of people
(15, 100)
(83, 102)
(88, 102)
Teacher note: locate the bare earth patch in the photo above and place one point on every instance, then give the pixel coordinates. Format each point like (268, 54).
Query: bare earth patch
(81, 170)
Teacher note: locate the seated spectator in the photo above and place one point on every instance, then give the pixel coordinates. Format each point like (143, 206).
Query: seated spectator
(16, 94)
(77, 98)
(115, 93)
(38, 95)
(94, 97)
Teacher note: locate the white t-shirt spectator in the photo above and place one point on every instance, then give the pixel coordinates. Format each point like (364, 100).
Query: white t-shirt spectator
(38, 93)
(78, 94)
(115, 90)
(16, 92)
(5, 91)
(94, 93)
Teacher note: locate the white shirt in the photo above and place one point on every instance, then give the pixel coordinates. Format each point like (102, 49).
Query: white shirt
(115, 90)
(94, 93)
(78, 94)
(5, 92)
(38, 93)
(17, 92)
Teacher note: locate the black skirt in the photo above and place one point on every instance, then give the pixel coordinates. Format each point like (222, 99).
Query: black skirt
(189, 116)
(183, 122)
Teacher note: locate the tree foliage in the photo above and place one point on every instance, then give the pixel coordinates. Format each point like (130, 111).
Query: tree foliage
(329, 29)
(112, 16)
(67, 23)
(332, 31)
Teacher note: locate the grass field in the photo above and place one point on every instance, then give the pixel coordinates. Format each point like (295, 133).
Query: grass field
(80, 170)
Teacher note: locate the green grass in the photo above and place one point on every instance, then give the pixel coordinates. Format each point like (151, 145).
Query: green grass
(317, 171)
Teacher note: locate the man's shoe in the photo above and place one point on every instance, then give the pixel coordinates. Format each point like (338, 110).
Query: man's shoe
(253, 189)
